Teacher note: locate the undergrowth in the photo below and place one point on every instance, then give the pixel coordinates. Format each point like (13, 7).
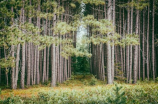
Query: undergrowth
(80, 91)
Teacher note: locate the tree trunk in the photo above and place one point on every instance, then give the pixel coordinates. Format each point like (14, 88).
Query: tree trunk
(44, 56)
(112, 48)
(35, 65)
(143, 45)
(127, 48)
(139, 61)
(131, 50)
(109, 70)
(23, 55)
(29, 56)
(48, 54)
(148, 43)
(124, 51)
(153, 42)
(38, 25)
(12, 54)
(53, 71)
(136, 49)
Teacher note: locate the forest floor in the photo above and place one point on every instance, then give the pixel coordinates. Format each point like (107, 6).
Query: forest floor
(78, 82)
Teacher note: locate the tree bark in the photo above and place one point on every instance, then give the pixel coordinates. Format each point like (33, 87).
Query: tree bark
(153, 41)
(143, 45)
(12, 54)
(136, 49)
(29, 56)
(131, 50)
(53, 71)
(38, 25)
(44, 56)
(109, 70)
(113, 48)
(23, 54)
(127, 48)
(148, 43)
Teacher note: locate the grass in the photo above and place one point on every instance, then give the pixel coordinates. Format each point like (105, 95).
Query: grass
(77, 84)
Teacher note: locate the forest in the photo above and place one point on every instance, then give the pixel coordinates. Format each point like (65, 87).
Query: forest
(78, 51)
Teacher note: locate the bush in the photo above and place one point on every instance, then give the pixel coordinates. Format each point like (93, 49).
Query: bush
(93, 81)
(13, 100)
(118, 96)
(156, 79)
(85, 82)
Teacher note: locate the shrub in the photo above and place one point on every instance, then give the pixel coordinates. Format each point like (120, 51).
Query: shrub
(13, 100)
(46, 83)
(156, 79)
(85, 82)
(93, 81)
(118, 96)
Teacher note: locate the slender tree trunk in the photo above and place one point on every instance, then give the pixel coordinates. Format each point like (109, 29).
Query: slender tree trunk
(35, 65)
(143, 45)
(53, 71)
(131, 50)
(48, 53)
(23, 55)
(12, 54)
(17, 64)
(139, 61)
(148, 43)
(44, 57)
(109, 69)
(153, 41)
(29, 56)
(127, 47)
(38, 25)
(113, 48)
(136, 49)
(32, 65)
(124, 50)
(121, 53)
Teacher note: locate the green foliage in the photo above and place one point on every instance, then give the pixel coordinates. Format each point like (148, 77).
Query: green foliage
(7, 63)
(156, 79)
(118, 94)
(81, 63)
(13, 100)
(96, 2)
(138, 4)
(118, 97)
(72, 5)
(85, 82)
(62, 28)
(72, 77)
(57, 84)
(130, 39)
(46, 83)
(93, 81)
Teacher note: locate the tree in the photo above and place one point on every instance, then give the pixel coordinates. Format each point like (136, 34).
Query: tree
(153, 41)
(23, 52)
(109, 70)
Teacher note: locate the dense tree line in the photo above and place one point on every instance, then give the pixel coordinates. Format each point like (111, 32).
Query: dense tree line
(38, 38)
(132, 57)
